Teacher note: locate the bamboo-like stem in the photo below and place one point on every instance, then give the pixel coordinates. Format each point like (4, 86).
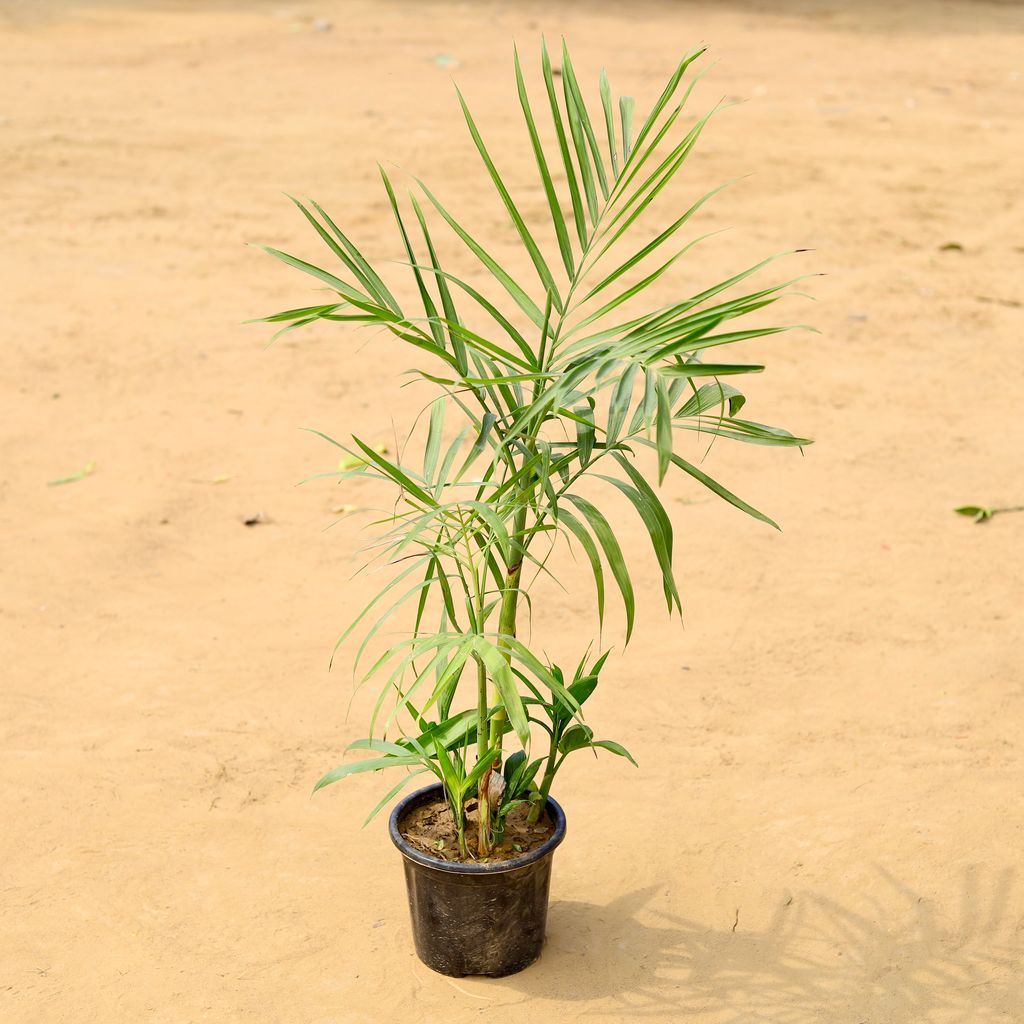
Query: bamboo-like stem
(506, 628)
(482, 708)
(483, 804)
(509, 607)
(545, 784)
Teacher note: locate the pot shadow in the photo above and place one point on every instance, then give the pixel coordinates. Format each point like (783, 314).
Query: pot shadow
(899, 958)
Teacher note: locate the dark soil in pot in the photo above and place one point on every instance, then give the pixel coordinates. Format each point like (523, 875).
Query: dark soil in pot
(430, 828)
(475, 918)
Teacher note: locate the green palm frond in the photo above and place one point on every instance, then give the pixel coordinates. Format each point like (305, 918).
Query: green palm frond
(555, 385)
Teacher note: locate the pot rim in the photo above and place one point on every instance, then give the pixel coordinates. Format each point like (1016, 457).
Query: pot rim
(457, 867)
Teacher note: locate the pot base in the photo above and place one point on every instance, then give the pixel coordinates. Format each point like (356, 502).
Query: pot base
(490, 925)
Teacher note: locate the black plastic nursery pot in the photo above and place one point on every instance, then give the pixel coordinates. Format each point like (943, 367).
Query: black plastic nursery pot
(476, 918)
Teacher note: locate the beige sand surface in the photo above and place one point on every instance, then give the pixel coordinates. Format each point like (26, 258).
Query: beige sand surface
(831, 749)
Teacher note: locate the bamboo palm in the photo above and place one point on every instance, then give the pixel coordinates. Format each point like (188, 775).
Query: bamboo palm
(553, 389)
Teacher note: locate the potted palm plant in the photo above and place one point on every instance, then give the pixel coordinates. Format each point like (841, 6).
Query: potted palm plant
(565, 386)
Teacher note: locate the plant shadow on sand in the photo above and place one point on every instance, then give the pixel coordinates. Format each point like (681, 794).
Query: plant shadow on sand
(898, 958)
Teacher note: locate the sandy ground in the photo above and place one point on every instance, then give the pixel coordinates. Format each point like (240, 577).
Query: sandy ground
(830, 752)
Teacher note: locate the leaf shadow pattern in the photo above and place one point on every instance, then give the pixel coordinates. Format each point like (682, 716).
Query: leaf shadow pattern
(898, 958)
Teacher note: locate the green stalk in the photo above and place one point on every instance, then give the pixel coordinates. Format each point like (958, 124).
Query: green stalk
(483, 804)
(506, 627)
(509, 607)
(545, 784)
(461, 827)
(482, 707)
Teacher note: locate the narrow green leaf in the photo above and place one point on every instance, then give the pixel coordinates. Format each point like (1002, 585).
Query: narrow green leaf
(428, 303)
(523, 778)
(638, 287)
(342, 287)
(580, 690)
(580, 146)
(447, 675)
(442, 646)
(513, 763)
(479, 444)
(979, 513)
(714, 485)
(433, 448)
(547, 676)
(485, 345)
(306, 313)
(651, 246)
(557, 220)
(522, 300)
(646, 410)
(749, 432)
(654, 518)
(668, 92)
(585, 434)
(722, 286)
(609, 122)
(540, 264)
(420, 588)
(570, 80)
(663, 431)
(710, 396)
(443, 478)
(627, 105)
(450, 775)
(451, 732)
(496, 533)
(579, 215)
(504, 682)
(579, 531)
(622, 398)
(508, 378)
(392, 793)
(708, 369)
(615, 748)
(373, 764)
(377, 598)
(447, 303)
(479, 770)
(729, 338)
(641, 196)
(291, 327)
(663, 545)
(375, 284)
(380, 746)
(357, 266)
(395, 473)
(613, 553)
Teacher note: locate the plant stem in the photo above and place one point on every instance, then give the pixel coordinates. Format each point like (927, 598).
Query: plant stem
(506, 628)
(481, 709)
(509, 606)
(483, 842)
(545, 784)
